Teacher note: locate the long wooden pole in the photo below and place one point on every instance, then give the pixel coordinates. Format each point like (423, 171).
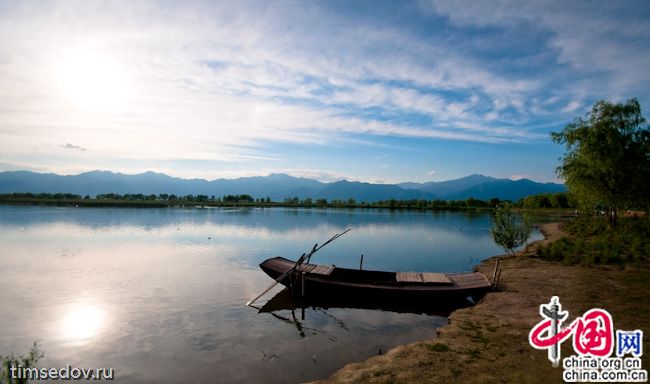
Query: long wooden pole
(300, 260)
(494, 274)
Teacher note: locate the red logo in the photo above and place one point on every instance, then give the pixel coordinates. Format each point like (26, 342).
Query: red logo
(593, 332)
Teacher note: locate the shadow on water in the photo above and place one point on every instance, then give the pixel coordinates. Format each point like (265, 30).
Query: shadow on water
(284, 301)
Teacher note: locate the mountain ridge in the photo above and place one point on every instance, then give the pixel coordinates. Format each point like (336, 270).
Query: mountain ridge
(277, 186)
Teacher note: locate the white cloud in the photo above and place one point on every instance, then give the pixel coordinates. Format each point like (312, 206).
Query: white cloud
(431, 172)
(572, 106)
(207, 87)
(225, 82)
(599, 36)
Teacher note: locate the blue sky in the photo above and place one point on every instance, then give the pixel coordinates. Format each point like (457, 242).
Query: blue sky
(372, 91)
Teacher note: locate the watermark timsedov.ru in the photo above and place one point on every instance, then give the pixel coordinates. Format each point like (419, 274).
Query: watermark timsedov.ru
(17, 372)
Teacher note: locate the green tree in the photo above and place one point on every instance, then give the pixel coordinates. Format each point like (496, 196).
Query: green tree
(607, 158)
(292, 200)
(506, 231)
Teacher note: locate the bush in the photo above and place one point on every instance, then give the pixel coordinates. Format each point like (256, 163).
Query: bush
(506, 231)
(593, 242)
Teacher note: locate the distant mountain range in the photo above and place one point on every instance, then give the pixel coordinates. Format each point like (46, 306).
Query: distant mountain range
(276, 186)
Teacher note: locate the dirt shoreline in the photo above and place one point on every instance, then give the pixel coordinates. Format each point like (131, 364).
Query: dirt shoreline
(488, 343)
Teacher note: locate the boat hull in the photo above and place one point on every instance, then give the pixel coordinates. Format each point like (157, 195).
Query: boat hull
(374, 286)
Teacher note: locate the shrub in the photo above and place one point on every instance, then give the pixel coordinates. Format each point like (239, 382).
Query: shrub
(593, 242)
(506, 232)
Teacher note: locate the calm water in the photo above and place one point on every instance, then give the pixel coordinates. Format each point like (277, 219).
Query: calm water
(158, 294)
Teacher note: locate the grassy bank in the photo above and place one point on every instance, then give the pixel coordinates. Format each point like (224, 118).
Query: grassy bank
(488, 343)
(593, 242)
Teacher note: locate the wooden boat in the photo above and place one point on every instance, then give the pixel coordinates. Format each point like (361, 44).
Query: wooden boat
(331, 281)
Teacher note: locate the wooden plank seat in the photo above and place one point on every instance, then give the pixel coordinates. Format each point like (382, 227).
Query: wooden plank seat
(423, 277)
(316, 269)
(435, 278)
(409, 277)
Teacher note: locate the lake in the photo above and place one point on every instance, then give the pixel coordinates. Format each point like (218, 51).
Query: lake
(159, 294)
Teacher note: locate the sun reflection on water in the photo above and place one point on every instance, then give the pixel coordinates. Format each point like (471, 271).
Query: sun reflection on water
(82, 322)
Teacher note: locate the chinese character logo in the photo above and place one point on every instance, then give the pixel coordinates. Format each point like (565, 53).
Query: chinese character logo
(554, 316)
(593, 332)
(629, 342)
(593, 343)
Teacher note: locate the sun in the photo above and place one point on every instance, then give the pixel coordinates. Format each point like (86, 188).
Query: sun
(92, 80)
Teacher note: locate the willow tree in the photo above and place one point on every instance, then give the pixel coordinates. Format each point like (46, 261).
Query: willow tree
(607, 158)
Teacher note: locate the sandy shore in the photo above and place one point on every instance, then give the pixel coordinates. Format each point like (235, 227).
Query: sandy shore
(488, 343)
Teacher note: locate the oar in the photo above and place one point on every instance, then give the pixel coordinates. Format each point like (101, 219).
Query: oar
(300, 260)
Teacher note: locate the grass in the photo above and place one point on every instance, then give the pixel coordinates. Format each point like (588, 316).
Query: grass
(438, 347)
(593, 242)
(475, 331)
(475, 353)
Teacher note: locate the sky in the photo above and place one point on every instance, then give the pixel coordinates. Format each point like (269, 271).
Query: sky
(374, 91)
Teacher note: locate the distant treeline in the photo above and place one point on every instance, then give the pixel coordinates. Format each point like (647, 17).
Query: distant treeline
(556, 200)
(548, 200)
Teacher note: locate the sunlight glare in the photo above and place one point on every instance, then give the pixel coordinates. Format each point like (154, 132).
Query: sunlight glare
(92, 80)
(82, 322)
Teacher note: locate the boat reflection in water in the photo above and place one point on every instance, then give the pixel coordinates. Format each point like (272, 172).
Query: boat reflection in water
(284, 301)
